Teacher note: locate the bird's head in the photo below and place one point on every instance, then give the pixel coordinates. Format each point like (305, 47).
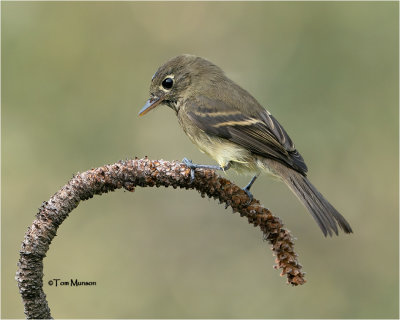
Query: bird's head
(178, 79)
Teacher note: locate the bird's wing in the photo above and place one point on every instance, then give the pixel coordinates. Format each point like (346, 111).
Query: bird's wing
(261, 134)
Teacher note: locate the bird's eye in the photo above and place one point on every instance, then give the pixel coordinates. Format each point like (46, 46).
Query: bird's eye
(167, 83)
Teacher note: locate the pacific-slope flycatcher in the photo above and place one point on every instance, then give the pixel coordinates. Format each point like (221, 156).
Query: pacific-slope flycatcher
(228, 123)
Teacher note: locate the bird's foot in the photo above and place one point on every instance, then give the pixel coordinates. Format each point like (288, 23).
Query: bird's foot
(188, 163)
(247, 189)
(249, 194)
(192, 166)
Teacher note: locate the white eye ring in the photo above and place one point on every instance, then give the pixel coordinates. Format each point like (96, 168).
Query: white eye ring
(167, 83)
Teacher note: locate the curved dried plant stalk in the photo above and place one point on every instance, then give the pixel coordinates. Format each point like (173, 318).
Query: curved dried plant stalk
(129, 174)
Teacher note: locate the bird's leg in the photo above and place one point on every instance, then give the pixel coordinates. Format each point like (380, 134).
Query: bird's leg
(247, 188)
(192, 166)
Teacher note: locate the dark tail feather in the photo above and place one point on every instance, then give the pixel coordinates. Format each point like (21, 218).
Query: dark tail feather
(322, 211)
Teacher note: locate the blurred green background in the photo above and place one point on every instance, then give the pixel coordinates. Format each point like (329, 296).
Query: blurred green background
(74, 76)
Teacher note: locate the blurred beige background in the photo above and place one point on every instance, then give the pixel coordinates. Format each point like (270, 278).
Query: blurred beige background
(74, 76)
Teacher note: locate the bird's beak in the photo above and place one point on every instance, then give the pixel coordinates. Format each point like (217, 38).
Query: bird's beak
(150, 104)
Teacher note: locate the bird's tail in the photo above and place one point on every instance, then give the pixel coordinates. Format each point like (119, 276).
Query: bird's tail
(327, 217)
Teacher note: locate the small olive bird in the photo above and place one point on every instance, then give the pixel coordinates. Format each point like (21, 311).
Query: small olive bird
(227, 123)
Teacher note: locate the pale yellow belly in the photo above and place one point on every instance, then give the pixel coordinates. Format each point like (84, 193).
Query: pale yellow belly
(224, 151)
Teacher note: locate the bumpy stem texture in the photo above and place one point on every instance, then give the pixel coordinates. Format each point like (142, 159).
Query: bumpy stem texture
(128, 175)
